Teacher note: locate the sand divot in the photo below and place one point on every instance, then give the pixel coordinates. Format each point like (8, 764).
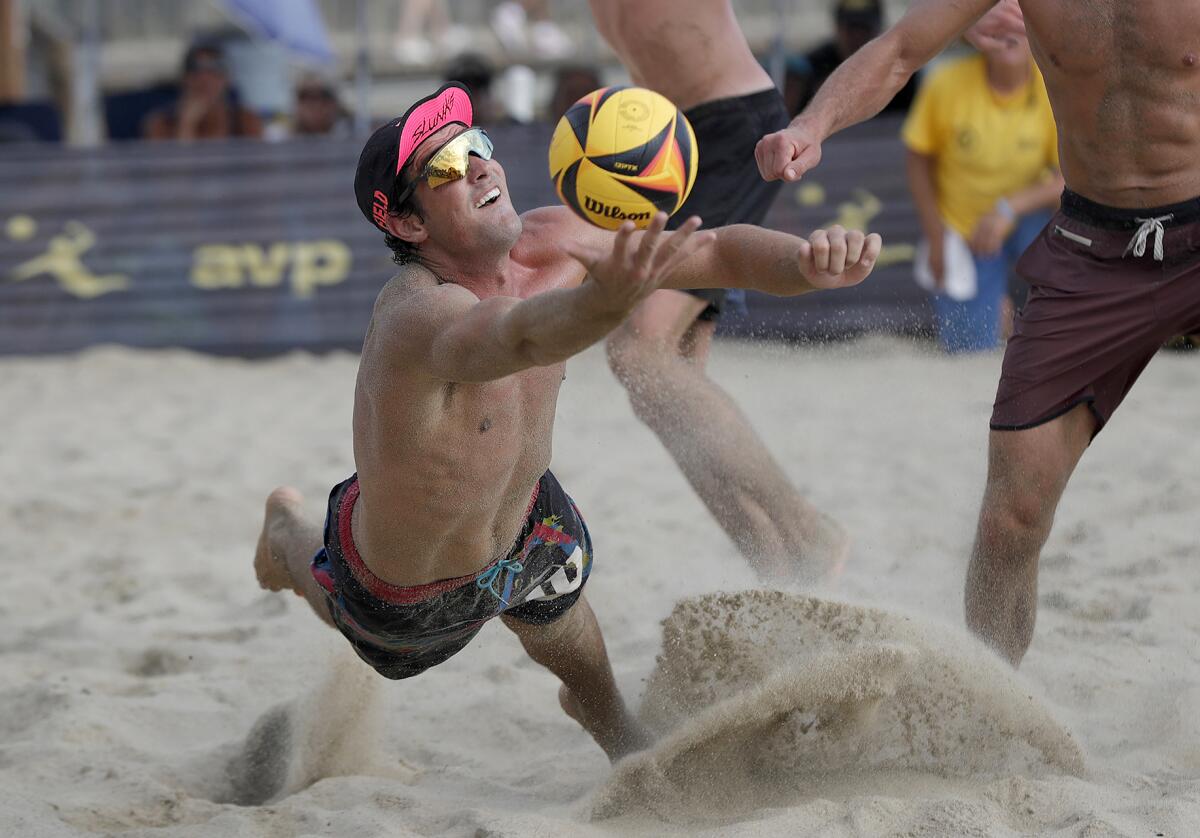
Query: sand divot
(757, 695)
(331, 731)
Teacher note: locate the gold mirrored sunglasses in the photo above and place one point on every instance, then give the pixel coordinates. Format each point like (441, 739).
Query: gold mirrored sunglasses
(451, 161)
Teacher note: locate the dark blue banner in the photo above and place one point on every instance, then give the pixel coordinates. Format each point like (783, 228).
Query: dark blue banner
(255, 248)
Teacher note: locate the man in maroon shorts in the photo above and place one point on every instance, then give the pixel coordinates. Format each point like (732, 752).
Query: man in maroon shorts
(1114, 274)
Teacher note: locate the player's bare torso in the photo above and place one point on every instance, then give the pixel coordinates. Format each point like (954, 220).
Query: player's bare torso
(691, 51)
(1124, 80)
(447, 468)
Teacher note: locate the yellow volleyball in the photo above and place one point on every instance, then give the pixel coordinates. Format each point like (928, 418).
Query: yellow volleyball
(622, 154)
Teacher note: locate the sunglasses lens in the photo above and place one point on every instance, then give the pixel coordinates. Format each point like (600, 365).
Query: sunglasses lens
(453, 159)
(442, 172)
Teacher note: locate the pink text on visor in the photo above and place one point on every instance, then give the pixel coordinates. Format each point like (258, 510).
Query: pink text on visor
(452, 105)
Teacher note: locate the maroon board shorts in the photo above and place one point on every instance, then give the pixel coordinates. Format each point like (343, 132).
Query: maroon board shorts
(1108, 287)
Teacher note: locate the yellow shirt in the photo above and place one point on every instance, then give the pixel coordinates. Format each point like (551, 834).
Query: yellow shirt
(984, 145)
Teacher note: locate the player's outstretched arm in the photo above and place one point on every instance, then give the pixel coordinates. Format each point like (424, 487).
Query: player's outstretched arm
(745, 256)
(867, 81)
(453, 335)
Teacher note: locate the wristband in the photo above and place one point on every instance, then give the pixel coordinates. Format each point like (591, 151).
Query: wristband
(1005, 209)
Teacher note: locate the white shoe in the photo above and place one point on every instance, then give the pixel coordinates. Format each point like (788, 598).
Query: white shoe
(549, 41)
(508, 22)
(412, 49)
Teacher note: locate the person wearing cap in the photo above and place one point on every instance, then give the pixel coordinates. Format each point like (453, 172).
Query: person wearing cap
(318, 112)
(206, 108)
(453, 518)
(855, 22)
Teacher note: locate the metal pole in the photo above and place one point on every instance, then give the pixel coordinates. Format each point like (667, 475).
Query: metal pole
(85, 89)
(778, 58)
(362, 71)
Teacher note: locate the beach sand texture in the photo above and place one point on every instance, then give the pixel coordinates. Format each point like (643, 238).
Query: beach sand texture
(149, 688)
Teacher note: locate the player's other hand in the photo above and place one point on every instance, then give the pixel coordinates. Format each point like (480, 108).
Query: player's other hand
(788, 154)
(1003, 27)
(990, 233)
(638, 264)
(837, 258)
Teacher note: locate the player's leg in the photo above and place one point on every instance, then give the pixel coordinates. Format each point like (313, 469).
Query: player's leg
(658, 357)
(1027, 473)
(572, 647)
(286, 545)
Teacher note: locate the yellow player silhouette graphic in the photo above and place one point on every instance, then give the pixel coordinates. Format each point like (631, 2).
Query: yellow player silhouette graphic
(63, 260)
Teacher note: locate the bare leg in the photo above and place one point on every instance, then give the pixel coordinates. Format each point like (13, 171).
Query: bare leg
(285, 548)
(1027, 473)
(658, 355)
(573, 648)
(537, 9)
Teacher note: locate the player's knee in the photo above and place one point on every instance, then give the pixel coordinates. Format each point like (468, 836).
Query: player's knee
(1015, 516)
(1023, 488)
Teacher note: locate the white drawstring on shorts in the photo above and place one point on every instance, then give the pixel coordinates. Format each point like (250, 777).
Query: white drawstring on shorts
(1149, 225)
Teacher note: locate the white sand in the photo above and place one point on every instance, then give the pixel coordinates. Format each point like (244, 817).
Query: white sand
(137, 653)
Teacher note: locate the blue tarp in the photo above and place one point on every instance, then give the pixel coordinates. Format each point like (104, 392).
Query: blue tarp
(297, 24)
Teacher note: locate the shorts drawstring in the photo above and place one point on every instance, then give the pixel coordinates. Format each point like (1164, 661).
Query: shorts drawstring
(488, 578)
(1149, 225)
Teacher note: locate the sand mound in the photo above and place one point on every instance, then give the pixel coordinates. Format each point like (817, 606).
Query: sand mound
(758, 694)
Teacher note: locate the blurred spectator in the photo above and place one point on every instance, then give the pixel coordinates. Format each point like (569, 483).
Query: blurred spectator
(477, 74)
(983, 169)
(426, 32)
(571, 83)
(856, 22)
(317, 111)
(526, 28)
(207, 108)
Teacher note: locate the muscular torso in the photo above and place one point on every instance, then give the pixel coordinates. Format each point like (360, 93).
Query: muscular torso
(1124, 80)
(691, 51)
(446, 469)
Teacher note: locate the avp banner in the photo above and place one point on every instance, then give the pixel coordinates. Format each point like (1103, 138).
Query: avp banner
(254, 248)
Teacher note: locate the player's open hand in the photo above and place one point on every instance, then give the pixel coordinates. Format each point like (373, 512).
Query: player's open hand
(788, 154)
(837, 258)
(639, 263)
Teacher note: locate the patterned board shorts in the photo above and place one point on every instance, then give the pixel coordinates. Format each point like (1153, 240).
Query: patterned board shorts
(402, 631)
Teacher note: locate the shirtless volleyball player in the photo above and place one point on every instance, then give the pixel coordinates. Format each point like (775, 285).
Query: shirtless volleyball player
(694, 53)
(1114, 275)
(453, 518)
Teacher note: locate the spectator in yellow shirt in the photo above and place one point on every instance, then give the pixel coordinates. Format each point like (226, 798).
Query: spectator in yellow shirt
(983, 165)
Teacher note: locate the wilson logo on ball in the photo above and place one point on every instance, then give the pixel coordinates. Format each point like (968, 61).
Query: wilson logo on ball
(622, 154)
(616, 213)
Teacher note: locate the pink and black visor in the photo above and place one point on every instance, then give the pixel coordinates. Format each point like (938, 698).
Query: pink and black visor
(391, 146)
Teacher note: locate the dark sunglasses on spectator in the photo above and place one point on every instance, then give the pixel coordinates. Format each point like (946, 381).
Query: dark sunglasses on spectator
(206, 65)
(315, 95)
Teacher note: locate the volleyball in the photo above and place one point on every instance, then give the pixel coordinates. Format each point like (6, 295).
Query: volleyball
(622, 154)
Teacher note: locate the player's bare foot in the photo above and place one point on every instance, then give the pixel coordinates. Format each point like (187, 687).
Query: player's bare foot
(819, 558)
(269, 566)
(617, 732)
(825, 553)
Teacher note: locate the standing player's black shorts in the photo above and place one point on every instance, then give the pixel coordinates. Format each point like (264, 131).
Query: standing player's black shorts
(729, 188)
